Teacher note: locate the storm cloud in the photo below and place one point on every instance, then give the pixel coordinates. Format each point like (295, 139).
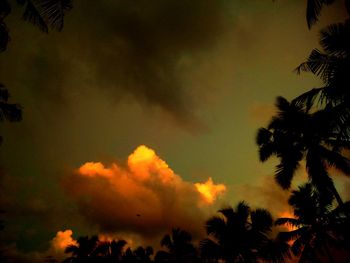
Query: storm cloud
(121, 48)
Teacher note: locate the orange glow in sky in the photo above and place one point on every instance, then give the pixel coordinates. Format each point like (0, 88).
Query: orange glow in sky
(62, 240)
(289, 227)
(94, 169)
(144, 185)
(209, 190)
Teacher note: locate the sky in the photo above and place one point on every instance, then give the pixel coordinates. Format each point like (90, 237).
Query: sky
(163, 98)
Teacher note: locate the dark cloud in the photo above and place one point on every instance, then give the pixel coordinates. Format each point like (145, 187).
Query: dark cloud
(119, 47)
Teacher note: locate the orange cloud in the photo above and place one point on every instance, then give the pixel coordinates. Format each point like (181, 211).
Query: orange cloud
(62, 240)
(94, 169)
(143, 196)
(210, 191)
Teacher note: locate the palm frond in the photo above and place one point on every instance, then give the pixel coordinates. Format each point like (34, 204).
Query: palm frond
(263, 136)
(32, 15)
(316, 169)
(335, 39)
(297, 246)
(216, 226)
(209, 249)
(313, 10)
(285, 170)
(266, 151)
(336, 159)
(275, 251)
(282, 104)
(53, 11)
(294, 222)
(243, 209)
(307, 99)
(292, 235)
(261, 220)
(320, 64)
(46, 13)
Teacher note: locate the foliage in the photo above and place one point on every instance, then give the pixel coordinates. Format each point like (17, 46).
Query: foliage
(242, 235)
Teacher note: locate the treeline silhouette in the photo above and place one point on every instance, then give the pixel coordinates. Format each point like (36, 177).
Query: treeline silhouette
(240, 234)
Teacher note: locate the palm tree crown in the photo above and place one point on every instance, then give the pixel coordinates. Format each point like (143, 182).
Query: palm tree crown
(314, 222)
(296, 134)
(241, 235)
(179, 248)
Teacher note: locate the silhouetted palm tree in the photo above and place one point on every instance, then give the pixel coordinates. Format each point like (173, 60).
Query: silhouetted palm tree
(179, 248)
(45, 13)
(295, 134)
(313, 10)
(242, 235)
(332, 65)
(84, 251)
(314, 7)
(315, 224)
(139, 255)
(110, 251)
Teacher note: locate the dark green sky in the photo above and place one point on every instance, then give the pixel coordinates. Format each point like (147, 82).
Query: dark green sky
(193, 80)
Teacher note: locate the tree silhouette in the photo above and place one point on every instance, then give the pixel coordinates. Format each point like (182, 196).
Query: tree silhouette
(139, 255)
(242, 235)
(44, 14)
(315, 224)
(331, 65)
(179, 248)
(313, 10)
(84, 252)
(294, 135)
(110, 251)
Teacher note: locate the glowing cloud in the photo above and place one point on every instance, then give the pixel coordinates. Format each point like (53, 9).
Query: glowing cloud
(94, 169)
(143, 196)
(210, 191)
(62, 240)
